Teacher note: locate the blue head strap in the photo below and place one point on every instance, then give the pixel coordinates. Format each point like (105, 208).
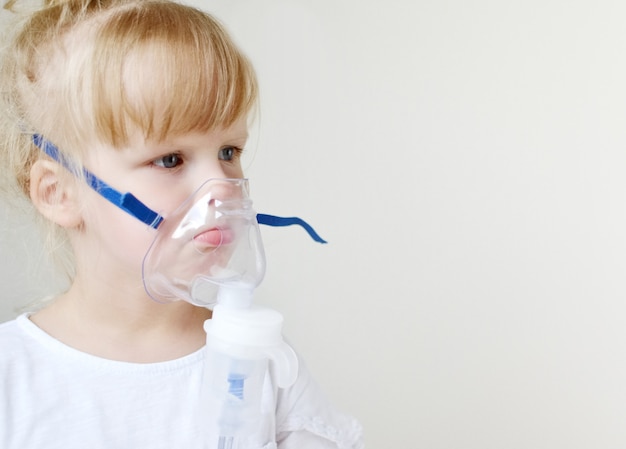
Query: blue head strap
(125, 201)
(130, 204)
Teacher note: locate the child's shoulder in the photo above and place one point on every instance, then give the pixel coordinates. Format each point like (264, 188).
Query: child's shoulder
(10, 330)
(19, 340)
(13, 335)
(15, 348)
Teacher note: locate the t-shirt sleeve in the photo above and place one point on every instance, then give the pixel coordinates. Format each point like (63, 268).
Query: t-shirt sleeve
(306, 419)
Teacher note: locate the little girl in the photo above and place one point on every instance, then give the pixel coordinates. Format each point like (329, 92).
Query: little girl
(152, 98)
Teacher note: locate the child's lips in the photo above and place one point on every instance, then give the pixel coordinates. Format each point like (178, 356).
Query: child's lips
(214, 237)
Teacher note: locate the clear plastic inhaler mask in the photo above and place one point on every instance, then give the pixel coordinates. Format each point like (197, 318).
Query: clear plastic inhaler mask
(211, 240)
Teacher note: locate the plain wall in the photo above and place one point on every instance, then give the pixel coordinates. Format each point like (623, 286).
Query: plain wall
(466, 161)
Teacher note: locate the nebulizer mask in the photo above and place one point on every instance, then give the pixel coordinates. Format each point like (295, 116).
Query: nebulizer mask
(209, 253)
(210, 244)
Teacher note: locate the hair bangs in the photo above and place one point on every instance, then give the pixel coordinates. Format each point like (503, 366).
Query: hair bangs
(163, 71)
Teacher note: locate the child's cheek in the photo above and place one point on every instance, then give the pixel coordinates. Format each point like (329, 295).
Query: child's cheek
(120, 236)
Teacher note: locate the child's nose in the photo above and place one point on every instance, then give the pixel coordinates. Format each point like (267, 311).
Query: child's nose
(223, 190)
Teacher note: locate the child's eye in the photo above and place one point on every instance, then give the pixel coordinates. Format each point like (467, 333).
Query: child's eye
(169, 161)
(229, 153)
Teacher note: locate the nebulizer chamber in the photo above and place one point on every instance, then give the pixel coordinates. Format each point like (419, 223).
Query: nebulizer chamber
(209, 252)
(243, 347)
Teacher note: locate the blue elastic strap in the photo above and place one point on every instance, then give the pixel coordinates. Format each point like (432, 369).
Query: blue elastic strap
(272, 220)
(130, 204)
(125, 201)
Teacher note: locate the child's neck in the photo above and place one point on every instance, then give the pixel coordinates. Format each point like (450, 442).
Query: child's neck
(123, 328)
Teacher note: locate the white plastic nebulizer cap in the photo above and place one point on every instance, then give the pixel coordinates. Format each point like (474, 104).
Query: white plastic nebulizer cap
(251, 331)
(254, 326)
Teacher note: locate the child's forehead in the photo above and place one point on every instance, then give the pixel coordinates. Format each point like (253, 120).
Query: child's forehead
(233, 134)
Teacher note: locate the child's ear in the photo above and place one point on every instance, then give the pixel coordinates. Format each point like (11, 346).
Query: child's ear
(55, 194)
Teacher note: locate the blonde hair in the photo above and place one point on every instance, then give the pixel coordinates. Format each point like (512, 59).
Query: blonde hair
(66, 74)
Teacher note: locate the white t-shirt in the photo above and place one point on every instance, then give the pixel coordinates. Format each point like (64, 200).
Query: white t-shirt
(53, 396)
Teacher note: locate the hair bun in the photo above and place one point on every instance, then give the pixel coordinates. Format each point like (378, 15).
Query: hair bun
(8, 5)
